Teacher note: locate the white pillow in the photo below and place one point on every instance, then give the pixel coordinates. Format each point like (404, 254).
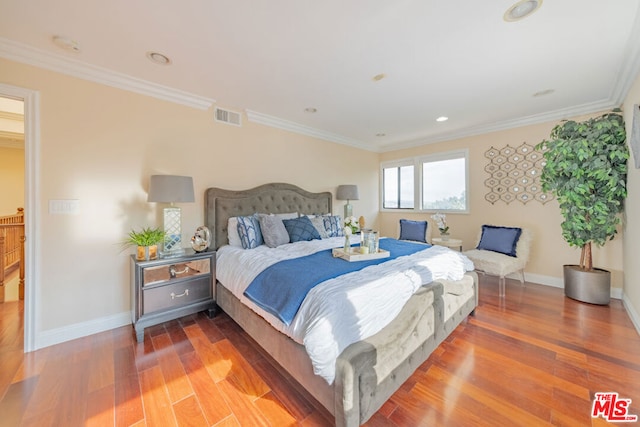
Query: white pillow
(232, 232)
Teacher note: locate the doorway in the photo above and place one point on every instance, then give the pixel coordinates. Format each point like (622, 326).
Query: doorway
(30, 100)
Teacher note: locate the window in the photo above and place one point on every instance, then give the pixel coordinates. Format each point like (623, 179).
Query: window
(398, 184)
(438, 182)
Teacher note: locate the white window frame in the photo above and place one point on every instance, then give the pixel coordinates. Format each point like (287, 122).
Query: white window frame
(417, 163)
(397, 164)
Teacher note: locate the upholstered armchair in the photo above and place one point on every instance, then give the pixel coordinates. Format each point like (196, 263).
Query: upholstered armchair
(501, 251)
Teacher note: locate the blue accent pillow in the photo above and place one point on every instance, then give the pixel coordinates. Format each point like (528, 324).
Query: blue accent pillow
(500, 239)
(413, 230)
(333, 225)
(249, 231)
(300, 229)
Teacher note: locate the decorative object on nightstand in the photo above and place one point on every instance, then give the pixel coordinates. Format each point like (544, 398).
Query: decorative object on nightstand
(171, 189)
(201, 239)
(169, 288)
(347, 192)
(441, 222)
(146, 240)
(449, 242)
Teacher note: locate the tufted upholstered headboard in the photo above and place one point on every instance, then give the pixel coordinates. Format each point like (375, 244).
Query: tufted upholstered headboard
(220, 205)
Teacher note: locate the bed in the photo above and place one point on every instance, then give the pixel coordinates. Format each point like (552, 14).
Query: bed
(367, 372)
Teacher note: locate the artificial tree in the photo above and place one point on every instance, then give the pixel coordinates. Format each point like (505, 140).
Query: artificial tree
(586, 169)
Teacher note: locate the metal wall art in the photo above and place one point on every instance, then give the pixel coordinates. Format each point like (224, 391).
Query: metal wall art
(514, 174)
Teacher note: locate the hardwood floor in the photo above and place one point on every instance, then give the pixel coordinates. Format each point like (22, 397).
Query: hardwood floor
(534, 358)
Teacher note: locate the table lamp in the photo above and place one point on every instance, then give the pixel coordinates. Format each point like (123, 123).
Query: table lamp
(348, 193)
(171, 189)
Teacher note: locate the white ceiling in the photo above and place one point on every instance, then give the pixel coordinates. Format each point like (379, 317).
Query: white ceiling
(271, 59)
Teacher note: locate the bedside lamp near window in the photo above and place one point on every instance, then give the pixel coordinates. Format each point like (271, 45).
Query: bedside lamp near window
(171, 189)
(348, 193)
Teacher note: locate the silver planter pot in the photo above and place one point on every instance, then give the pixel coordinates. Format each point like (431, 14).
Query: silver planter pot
(593, 286)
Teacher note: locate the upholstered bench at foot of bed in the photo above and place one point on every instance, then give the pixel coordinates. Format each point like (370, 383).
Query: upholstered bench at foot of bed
(370, 371)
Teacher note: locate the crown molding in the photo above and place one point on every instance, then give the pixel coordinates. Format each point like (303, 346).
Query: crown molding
(264, 119)
(561, 114)
(29, 55)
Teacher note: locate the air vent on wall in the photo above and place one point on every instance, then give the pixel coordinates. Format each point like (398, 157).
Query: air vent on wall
(227, 116)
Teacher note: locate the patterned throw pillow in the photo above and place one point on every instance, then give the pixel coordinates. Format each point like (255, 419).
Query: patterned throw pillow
(249, 231)
(300, 229)
(318, 223)
(333, 225)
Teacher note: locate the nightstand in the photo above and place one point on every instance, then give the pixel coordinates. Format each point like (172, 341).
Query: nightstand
(450, 243)
(168, 288)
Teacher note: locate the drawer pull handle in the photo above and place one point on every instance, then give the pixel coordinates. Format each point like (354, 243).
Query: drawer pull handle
(173, 272)
(174, 296)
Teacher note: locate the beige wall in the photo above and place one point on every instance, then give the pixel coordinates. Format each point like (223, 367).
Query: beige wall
(632, 220)
(549, 250)
(99, 145)
(11, 180)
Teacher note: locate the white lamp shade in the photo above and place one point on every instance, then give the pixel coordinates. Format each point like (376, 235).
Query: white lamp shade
(171, 189)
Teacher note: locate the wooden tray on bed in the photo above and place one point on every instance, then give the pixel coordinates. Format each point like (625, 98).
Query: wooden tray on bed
(354, 254)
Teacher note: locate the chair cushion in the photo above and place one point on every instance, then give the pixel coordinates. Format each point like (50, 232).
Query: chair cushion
(500, 239)
(413, 230)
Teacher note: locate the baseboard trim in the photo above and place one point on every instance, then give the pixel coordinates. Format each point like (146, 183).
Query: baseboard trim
(79, 330)
(556, 282)
(631, 311)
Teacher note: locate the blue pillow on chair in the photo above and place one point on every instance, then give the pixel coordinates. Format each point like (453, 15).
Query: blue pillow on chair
(413, 230)
(500, 239)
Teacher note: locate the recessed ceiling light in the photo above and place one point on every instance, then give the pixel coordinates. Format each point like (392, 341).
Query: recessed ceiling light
(158, 58)
(442, 119)
(381, 134)
(66, 44)
(521, 10)
(544, 92)
(310, 110)
(378, 77)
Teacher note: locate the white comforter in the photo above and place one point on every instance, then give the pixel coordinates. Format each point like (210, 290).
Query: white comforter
(346, 309)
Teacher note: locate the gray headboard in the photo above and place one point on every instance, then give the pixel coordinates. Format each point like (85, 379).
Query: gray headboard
(220, 205)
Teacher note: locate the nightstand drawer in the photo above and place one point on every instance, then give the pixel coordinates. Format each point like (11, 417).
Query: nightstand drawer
(174, 271)
(176, 295)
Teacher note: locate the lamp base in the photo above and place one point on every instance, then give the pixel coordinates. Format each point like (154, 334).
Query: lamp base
(172, 217)
(348, 210)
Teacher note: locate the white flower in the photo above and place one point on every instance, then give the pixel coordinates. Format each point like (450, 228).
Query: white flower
(351, 222)
(441, 222)
(348, 231)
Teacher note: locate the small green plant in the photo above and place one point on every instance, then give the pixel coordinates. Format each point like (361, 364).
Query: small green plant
(586, 169)
(145, 237)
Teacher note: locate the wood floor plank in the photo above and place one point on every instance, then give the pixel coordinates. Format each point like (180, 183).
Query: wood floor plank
(188, 413)
(242, 371)
(241, 404)
(157, 406)
(172, 370)
(218, 367)
(211, 401)
(101, 407)
(274, 411)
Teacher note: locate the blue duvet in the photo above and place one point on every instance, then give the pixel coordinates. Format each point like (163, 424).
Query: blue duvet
(281, 287)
